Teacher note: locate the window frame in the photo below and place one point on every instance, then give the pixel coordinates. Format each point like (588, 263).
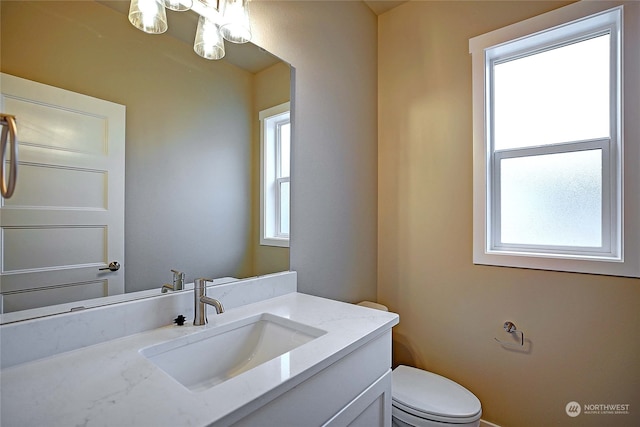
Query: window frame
(271, 121)
(572, 23)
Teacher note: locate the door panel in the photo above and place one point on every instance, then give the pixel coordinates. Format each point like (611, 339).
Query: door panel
(36, 298)
(42, 183)
(57, 128)
(51, 248)
(66, 218)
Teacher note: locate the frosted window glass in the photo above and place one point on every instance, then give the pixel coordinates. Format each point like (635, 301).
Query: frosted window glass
(558, 95)
(552, 199)
(284, 207)
(285, 149)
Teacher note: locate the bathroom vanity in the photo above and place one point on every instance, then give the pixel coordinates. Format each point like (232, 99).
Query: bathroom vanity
(285, 359)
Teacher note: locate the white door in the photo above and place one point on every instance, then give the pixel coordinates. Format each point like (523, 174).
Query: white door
(66, 217)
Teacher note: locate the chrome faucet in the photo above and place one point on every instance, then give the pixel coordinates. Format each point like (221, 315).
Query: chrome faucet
(178, 282)
(200, 298)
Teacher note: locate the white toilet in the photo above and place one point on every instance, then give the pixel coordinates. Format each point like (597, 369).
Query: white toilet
(423, 399)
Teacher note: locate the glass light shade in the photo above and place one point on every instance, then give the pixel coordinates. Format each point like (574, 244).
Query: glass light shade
(235, 20)
(178, 5)
(148, 16)
(209, 43)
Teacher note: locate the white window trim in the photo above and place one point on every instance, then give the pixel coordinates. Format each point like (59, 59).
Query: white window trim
(625, 256)
(270, 234)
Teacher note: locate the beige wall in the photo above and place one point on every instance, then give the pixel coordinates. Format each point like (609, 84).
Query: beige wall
(581, 329)
(271, 87)
(332, 46)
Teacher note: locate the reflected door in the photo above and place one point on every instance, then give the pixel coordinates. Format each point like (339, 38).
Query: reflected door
(65, 220)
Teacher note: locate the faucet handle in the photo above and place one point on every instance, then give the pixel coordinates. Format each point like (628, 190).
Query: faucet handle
(178, 280)
(200, 282)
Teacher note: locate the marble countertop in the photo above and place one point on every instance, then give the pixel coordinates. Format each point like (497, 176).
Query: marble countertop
(112, 384)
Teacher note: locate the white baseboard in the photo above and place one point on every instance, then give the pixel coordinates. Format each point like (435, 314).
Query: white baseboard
(484, 423)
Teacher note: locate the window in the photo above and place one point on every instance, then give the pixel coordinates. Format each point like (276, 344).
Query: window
(548, 145)
(275, 152)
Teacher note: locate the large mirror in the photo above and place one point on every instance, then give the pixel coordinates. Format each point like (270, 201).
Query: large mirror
(192, 163)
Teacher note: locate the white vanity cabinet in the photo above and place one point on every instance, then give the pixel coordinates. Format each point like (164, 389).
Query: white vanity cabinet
(353, 391)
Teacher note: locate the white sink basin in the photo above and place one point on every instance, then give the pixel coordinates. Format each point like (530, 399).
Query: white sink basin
(202, 360)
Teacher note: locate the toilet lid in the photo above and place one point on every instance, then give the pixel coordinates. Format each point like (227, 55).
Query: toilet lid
(427, 394)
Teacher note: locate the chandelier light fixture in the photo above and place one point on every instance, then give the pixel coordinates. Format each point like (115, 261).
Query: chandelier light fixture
(219, 20)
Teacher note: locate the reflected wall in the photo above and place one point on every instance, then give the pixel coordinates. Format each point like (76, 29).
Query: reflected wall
(190, 146)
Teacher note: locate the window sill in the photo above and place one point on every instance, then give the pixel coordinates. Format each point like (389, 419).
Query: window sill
(589, 265)
(274, 241)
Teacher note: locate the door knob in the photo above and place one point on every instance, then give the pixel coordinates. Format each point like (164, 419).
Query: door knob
(113, 266)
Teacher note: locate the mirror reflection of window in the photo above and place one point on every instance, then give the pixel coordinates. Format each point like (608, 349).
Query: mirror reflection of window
(275, 151)
(283, 136)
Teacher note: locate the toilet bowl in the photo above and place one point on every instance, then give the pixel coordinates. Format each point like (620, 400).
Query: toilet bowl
(423, 399)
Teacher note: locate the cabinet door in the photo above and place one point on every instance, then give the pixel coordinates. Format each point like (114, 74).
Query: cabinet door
(372, 408)
(354, 390)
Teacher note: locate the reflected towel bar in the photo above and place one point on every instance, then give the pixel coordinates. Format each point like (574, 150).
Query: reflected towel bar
(8, 137)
